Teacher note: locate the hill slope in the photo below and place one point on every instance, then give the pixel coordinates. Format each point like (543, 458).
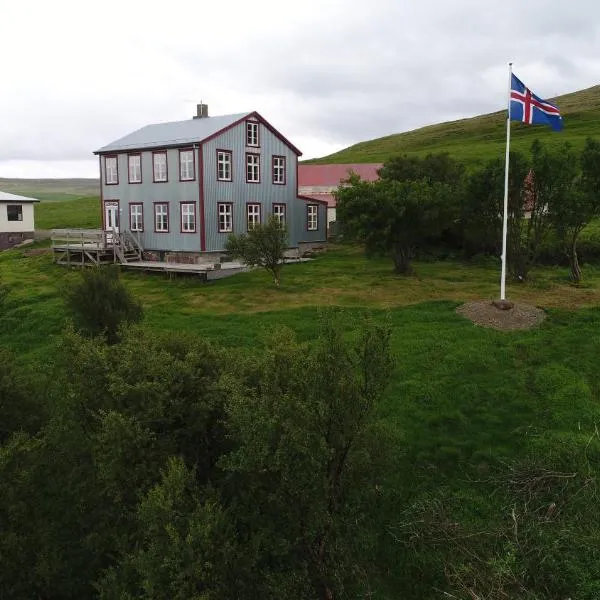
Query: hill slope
(483, 137)
(51, 190)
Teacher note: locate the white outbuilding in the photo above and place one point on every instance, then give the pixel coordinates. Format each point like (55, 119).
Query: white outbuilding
(16, 219)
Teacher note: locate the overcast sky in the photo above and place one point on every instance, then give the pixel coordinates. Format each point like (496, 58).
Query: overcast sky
(76, 75)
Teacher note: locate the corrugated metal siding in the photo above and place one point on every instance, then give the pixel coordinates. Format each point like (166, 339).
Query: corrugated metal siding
(300, 222)
(172, 192)
(238, 191)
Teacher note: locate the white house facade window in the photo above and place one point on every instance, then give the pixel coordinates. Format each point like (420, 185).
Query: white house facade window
(186, 165)
(111, 170)
(161, 218)
(279, 213)
(312, 217)
(159, 164)
(14, 212)
(225, 218)
(279, 170)
(136, 217)
(253, 216)
(223, 165)
(188, 218)
(135, 168)
(252, 133)
(252, 168)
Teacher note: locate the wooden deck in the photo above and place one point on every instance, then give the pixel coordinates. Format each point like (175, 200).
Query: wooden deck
(207, 271)
(92, 247)
(85, 247)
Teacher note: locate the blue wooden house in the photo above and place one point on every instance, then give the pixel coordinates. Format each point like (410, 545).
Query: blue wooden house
(181, 188)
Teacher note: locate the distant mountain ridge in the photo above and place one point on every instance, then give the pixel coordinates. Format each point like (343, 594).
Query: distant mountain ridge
(476, 139)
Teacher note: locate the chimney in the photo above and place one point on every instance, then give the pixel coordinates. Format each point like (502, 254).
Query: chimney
(202, 111)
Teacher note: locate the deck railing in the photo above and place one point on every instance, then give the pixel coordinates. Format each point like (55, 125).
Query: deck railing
(93, 239)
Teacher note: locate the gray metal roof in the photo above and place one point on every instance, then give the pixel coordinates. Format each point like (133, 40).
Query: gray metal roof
(172, 134)
(6, 197)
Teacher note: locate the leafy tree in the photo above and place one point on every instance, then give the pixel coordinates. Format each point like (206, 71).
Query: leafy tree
(101, 304)
(576, 203)
(300, 420)
(263, 246)
(549, 182)
(481, 207)
(394, 218)
(481, 210)
(19, 410)
(185, 546)
(434, 168)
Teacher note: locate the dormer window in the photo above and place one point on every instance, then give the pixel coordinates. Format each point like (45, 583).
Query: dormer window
(252, 133)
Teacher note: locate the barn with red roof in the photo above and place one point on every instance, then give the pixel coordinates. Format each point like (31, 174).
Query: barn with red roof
(320, 181)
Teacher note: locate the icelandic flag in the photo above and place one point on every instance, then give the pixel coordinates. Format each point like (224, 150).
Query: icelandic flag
(528, 108)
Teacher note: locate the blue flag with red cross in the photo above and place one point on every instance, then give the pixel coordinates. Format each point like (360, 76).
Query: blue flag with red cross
(528, 108)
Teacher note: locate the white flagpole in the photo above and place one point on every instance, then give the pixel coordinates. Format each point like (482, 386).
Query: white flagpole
(505, 220)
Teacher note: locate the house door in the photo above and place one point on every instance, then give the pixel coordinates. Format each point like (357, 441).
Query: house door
(111, 219)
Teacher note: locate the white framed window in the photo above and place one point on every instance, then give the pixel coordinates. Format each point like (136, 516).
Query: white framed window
(161, 217)
(252, 168)
(159, 167)
(279, 212)
(225, 217)
(279, 170)
(224, 165)
(111, 170)
(186, 165)
(135, 168)
(252, 216)
(188, 217)
(14, 212)
(312, 217)
(136, 217)
(252, 134)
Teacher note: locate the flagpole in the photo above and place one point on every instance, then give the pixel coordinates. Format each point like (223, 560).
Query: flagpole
(505, 219)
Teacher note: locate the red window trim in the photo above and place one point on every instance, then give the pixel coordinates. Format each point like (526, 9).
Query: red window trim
(259, 169)
(154, 153)
(257, 123)
(317, 207)
(181, 217)
(219, 224)
(260, 213)
(230, 152)
(193, 164)
(284, 210)
(131, 220)
(168, 217)
(129, 170)
(116, 157)
(284, 158)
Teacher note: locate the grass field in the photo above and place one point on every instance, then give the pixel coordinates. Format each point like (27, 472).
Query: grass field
(481, 138)
(66, 212)
(341, 277)
(463, 400)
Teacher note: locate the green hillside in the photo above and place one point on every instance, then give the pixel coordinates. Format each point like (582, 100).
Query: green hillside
(51, 190)
(480, 138)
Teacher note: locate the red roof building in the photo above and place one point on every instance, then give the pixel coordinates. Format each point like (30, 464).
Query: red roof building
(320, 181)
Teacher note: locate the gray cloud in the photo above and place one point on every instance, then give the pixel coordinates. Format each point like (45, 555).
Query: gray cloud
(335, 71)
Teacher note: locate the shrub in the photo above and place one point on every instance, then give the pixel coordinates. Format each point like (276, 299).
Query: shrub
(101, 303)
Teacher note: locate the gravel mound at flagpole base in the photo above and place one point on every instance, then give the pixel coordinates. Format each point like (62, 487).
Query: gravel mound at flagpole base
(485, 314)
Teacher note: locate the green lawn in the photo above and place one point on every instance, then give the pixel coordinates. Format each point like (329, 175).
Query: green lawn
(67, 212)
(463, 403)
